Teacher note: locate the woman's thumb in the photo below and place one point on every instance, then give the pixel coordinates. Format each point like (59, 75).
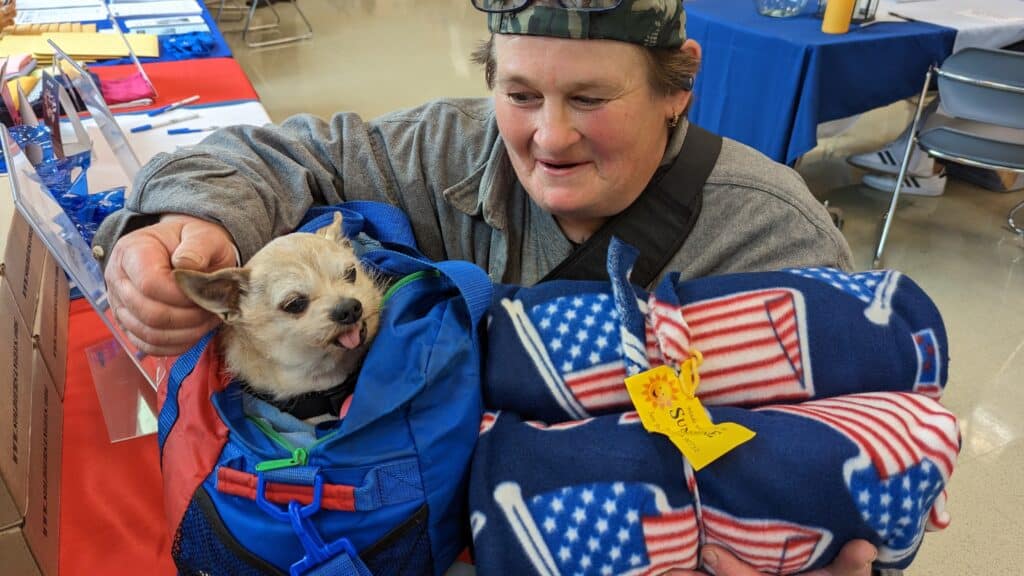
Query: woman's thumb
(204, 246)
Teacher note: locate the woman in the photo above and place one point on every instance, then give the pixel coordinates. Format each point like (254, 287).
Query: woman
(587, 114)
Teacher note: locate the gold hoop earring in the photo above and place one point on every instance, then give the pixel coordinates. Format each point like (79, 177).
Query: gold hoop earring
(673, 121)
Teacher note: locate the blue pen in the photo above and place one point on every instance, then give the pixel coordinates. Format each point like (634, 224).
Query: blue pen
(162, 123)
(172, 106)
(173, 131)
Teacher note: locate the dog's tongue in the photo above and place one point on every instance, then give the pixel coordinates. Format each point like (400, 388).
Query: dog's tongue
(350, 338)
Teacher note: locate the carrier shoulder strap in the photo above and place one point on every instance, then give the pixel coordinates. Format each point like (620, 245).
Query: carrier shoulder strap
(657, 223)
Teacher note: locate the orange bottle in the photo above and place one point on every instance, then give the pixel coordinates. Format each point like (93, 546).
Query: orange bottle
(837, 16)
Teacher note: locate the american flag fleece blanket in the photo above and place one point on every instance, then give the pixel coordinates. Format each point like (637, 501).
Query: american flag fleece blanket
(839, 375)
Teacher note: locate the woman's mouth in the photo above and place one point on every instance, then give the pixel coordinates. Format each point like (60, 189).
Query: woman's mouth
(558, 167)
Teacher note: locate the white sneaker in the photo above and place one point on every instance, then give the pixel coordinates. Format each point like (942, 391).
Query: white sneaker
(933, 185)
(888, 160)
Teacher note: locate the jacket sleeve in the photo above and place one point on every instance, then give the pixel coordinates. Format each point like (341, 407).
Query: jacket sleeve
(258, 182)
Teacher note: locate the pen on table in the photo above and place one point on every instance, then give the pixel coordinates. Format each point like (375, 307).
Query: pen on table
(173, 131)
(901, 17)
(173, 106)
(133, 103)
(162, 123)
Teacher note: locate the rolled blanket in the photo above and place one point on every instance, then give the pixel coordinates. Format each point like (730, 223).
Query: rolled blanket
(560, 350)
(603, 496)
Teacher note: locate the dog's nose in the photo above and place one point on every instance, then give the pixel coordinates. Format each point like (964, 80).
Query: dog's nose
(347, 311)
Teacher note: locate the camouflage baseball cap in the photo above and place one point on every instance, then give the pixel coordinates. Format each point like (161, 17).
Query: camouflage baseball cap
(651, 23)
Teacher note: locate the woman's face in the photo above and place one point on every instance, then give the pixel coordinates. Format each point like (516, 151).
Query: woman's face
(582, 125)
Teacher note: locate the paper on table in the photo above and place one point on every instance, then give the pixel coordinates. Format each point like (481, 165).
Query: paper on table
(165, 21)
(169, 30)
(77, 14)
(158, 8)
(47, 4)
(80, 45)
(99, 44)
(105, 173)
(989, 17)
(978, 23)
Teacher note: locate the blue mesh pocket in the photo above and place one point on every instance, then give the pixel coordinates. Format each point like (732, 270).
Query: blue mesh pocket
(405, 551)
(203, 546)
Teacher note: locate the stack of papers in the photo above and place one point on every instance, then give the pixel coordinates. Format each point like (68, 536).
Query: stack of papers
(81, 46)
(155, 8)
(164, 25)
(50, 11)
(52, 27)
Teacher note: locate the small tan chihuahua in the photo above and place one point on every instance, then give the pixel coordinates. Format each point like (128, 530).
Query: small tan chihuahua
(298, 319)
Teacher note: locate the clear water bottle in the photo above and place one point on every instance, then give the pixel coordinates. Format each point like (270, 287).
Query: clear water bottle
(780, 8)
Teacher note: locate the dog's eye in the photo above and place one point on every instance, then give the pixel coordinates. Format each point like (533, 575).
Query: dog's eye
(349, 275)
(296, 305)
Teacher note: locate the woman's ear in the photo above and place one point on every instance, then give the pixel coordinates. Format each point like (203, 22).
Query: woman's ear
(692, 48)
(683, 97)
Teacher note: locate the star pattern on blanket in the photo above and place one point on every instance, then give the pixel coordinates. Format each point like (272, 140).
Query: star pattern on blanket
(583, 339)
(613, 528)
(897, 507)
(861, 285)
(580, 331)
(897, 477)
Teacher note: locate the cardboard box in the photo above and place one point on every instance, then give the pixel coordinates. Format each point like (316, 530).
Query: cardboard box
(15, 397)
(9, 515)
(15, 556)
(50, 334)
(21, 255)
(42, 520)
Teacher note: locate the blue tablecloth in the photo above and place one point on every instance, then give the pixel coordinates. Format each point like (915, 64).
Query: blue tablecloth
(768, 82)
(219, 50)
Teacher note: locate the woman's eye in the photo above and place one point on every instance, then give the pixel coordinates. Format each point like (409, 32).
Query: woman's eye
(296, 305)
(349, 275)
(588, 102)
(521, 98)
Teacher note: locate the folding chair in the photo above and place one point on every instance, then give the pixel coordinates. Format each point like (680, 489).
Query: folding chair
(248, 26)
(978, 85)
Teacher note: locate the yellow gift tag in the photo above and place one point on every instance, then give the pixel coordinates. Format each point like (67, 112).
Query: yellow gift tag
(705, 446)
(686, 415)
(667, 404)
(652, 394)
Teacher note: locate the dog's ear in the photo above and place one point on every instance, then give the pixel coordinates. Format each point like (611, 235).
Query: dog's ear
(219, 292)
(334, 231)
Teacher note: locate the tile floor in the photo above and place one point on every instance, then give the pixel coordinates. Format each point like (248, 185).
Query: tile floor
(373, 56)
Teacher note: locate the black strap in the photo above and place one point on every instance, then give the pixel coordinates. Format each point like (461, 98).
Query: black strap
(657, 223)
(311, 404)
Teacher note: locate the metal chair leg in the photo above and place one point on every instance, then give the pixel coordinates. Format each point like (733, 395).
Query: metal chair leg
(252, 12)
(1013, 225)
(911, 143)
(276, 41)
(235, 8)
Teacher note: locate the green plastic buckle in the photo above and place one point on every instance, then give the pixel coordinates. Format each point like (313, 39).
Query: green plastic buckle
(298, 458)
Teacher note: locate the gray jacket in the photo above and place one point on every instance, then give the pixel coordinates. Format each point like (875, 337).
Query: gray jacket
(446, 166)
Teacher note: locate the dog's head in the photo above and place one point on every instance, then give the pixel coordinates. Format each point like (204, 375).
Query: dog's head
(298, 317)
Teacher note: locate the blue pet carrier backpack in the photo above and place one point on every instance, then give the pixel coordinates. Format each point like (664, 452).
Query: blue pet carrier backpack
(380, 491)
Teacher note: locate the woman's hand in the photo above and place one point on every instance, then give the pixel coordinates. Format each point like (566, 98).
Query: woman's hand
(854, 559)
(155, 315)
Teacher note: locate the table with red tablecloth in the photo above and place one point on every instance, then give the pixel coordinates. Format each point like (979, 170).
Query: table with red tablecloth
(112, 519)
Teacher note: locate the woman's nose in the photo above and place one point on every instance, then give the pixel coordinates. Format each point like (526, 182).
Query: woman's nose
(556, 130)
